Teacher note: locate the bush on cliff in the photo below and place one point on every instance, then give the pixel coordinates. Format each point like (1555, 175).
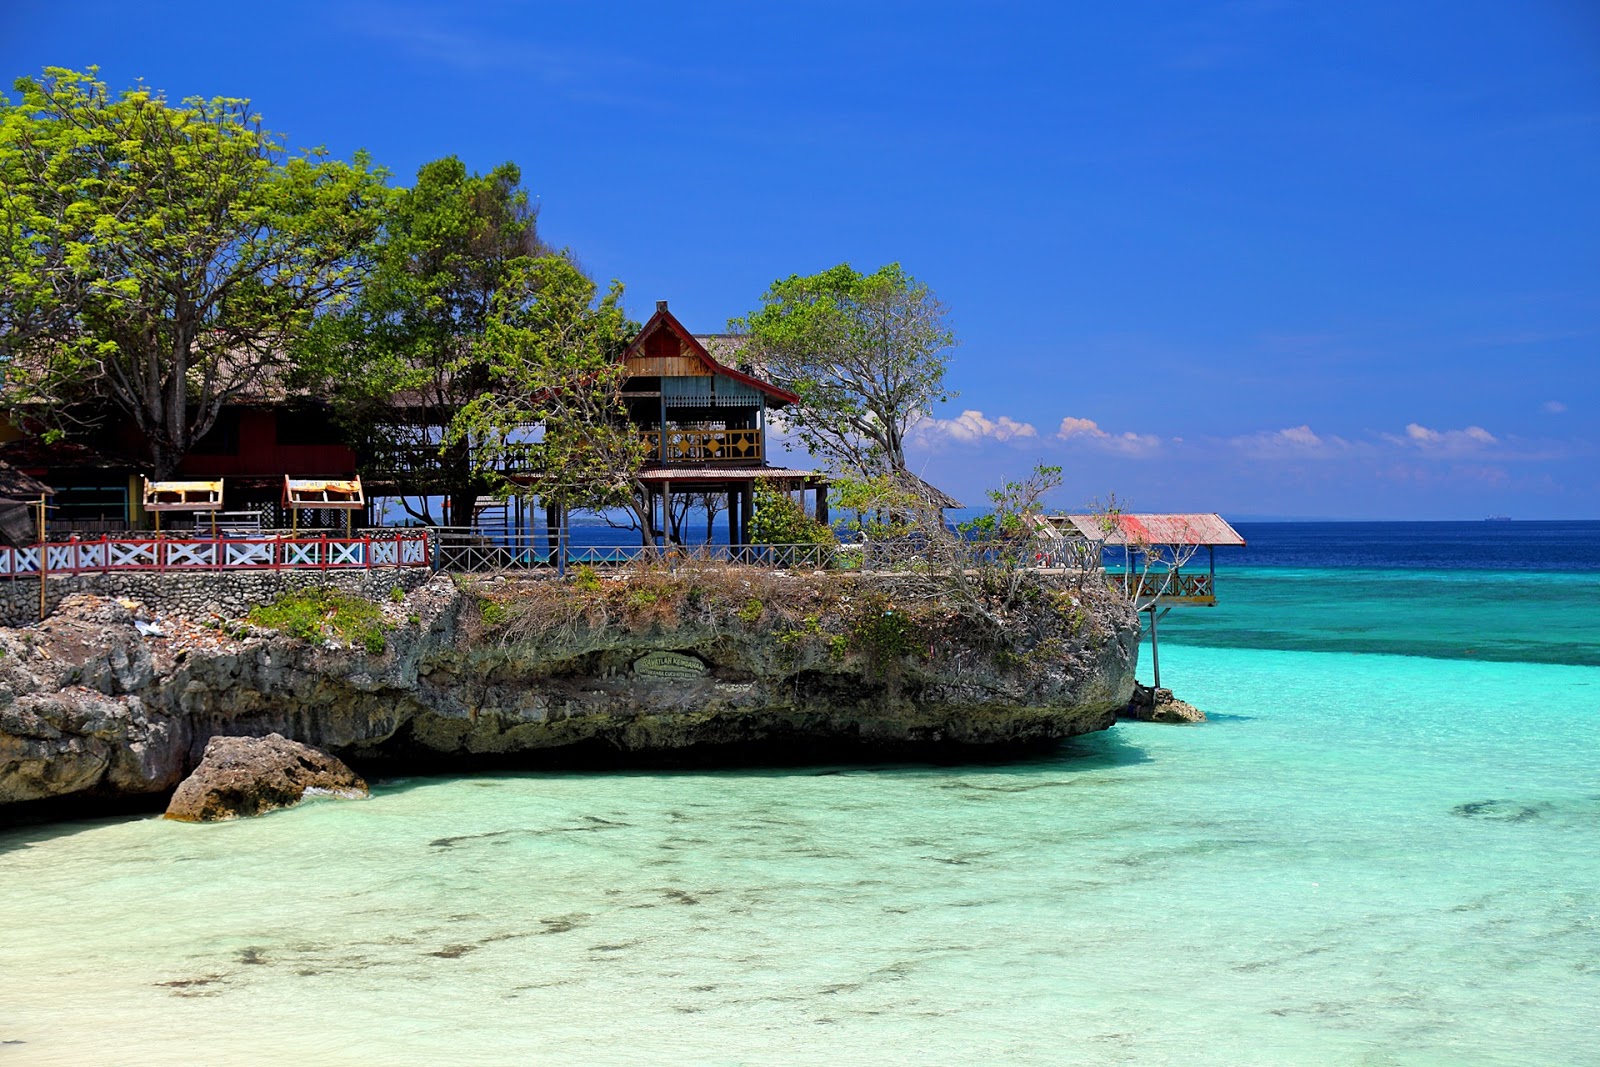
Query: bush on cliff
(318, 614)
(889, 625)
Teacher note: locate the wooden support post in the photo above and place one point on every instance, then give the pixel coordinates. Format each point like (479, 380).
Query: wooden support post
(561, 540)
(44, 559)
(822, 504)
(733, 520)
(552, 526)
(669, 523)
(747, 510)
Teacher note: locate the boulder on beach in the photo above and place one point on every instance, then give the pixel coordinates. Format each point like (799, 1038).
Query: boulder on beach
(243, 776)
(1159, 705)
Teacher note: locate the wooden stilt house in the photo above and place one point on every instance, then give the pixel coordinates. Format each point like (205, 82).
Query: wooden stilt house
(706, 424)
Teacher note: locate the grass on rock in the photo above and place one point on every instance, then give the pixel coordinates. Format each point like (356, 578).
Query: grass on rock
(320, 614)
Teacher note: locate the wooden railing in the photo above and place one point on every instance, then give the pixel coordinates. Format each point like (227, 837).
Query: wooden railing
(458, 549)
(704, 446)
(1164, 587)
(420, 460)
(106, 555)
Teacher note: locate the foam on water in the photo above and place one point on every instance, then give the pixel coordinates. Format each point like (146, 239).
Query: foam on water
(1361, 860)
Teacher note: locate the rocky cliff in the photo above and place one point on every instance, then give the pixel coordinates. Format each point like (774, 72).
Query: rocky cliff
(113, 698)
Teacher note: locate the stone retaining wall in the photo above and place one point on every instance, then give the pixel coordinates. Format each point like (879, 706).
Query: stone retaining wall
(199, 594)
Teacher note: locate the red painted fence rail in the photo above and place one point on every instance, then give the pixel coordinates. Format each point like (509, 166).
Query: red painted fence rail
(115, 554)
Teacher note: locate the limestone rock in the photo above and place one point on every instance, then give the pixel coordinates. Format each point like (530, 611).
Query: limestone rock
(92, 708)
(1159, 705)
(243, 776)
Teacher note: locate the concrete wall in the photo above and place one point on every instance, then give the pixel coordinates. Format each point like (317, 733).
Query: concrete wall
(199, 594)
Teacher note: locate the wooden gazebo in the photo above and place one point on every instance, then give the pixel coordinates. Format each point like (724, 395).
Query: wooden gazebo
(1162, 543)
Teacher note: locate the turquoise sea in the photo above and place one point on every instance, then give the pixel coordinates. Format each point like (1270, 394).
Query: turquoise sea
(1384, 849)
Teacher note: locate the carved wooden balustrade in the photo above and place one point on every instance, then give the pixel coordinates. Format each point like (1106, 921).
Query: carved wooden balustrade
(705, 446)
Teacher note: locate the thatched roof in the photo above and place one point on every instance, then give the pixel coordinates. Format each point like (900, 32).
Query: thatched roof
(16, 485)
(18, 523)
(725, 348)
(930, 494)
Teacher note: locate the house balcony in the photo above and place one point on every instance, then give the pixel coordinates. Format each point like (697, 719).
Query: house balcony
(423, 464)
(706, 446)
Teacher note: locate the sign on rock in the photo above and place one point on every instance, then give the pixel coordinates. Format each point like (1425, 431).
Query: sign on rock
(669, 665)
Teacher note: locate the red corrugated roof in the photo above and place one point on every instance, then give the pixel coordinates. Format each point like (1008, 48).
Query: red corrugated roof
(1195, 528)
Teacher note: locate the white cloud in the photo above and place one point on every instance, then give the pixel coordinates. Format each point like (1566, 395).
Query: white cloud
(1554, 407)
(1444, 442)
(971, 427)
(1293, 442)
(1088, 431)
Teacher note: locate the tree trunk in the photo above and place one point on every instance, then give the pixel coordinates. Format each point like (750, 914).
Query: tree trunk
(462, 504)
(163, 462)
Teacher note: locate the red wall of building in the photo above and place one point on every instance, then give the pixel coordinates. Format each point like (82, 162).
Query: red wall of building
(260, 455)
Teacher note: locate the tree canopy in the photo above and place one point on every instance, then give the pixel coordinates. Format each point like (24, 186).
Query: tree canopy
(552, 389)
(160, 259)
(457, 249)
(866, 353)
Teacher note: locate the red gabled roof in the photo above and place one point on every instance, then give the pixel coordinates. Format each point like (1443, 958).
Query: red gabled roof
(666, 320)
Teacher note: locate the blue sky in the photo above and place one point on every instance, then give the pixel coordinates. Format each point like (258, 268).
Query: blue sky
(1269, 258)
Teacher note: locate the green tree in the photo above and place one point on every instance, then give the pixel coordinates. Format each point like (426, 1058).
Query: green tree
(406, 358)
(981, 570)
(780, 520)
(158, 260)
(866, 353)
(552, 393)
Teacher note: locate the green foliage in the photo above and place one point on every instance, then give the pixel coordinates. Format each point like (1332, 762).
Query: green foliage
(492, 612)
(645, 596)
(779, 520)
(880, 507)
(396, 594)
(810, 626)
(884, 633)
(318, 614)
(159, 258)
(451, 246)
(750, 613)
(549, 354)
(586, 579)
(866, 353)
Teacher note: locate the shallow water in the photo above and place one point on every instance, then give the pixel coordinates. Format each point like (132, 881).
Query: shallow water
(1361, 860)
(1384, 849)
